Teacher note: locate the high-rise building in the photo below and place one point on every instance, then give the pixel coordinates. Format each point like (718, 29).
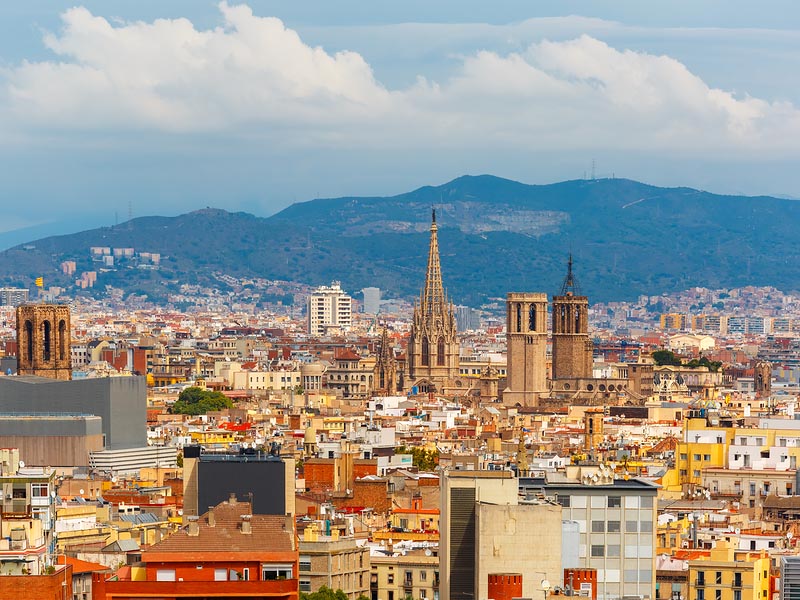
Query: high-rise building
(372, 300)
(616, 521)
(790, 578)
(526, 338)
(433, 348)
(467, 319)
(329, 308)
(482, 527)
(13, 296)
(572, 348)
(43, 341)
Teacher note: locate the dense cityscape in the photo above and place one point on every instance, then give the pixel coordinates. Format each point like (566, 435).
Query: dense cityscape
(390, 450)
(400, 301)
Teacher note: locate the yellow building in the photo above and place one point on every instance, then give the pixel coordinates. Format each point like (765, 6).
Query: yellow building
(730, 575)
(673, 321)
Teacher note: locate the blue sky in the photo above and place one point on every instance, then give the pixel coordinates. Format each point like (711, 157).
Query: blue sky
(111, 107)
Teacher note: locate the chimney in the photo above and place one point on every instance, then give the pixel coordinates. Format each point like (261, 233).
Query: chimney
(212, 521)
(232, 498)
(194, 528)
(247, 527)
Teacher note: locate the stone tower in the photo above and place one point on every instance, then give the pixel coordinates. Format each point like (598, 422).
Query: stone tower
(385, 379)
(433, 344)
(762, 379)
(43, 341)
(572, 348)
(526, 339)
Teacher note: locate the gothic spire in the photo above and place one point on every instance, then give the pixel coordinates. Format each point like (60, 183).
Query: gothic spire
(570, 285)
(433, 299)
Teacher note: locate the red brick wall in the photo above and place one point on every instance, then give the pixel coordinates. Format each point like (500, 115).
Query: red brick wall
(363, 467)
(40, 587)
(318, 473)
(367, 494)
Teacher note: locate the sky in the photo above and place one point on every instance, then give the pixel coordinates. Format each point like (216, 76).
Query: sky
(112, 108)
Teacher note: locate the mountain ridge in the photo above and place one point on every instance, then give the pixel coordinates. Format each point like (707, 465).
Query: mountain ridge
(496, 235)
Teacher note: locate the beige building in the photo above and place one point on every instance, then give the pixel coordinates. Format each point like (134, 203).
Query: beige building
(333, 561)
(483, 526)
(406, 574)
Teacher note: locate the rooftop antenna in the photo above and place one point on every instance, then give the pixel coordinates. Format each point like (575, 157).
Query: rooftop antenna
(593, 177)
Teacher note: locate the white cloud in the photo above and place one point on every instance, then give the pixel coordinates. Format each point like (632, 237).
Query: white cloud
(252, 75)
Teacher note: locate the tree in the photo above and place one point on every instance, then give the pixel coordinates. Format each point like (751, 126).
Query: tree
(197, 401)
(324, 593)
(424, 460)
(666, 357)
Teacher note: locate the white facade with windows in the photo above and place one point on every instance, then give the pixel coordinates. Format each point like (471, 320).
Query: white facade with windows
(329, 308)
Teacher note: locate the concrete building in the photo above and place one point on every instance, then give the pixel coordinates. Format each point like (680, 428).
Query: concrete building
(482, 528)
(616, 520)
(58, 440)
(790, 578)
(335, 561)
(121, 403)
(372, 300)
(266, 479)
(399, 573)
(329, 308)
(13, 296)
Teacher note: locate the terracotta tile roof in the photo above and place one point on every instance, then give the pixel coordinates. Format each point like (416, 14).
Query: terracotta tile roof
(82, 566)
(268, 533)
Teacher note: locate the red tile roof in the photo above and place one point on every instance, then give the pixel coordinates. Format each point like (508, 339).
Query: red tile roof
(269, 533)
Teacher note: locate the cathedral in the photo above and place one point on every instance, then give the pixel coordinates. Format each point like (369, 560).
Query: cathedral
(433, 349)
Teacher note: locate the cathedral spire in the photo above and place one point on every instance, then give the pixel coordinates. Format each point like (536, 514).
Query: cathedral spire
(433, 299)
(570, 285)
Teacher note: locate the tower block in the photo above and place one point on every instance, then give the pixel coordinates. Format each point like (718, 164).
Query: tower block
(526, 338)
(43, 341)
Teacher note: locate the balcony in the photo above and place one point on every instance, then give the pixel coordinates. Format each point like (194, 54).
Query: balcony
(700, 582)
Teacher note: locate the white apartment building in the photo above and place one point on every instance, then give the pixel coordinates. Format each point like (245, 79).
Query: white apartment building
(329, 308)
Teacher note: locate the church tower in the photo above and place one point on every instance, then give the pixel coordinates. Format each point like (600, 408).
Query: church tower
(385, 376)
(526, 338)
(572, 348)
(43, 341)
(433, 345)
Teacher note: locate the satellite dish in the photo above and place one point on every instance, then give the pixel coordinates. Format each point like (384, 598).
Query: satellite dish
(737, 531)
(22, 464)
(428, 551)
(114, 479)
(789, 535)
(80, 491)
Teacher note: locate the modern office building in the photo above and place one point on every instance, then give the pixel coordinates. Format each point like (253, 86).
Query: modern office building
(616, 519)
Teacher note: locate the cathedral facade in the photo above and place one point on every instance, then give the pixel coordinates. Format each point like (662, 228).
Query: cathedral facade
(433, 349)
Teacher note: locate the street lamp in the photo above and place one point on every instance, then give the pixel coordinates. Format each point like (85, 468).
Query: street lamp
(545, 587)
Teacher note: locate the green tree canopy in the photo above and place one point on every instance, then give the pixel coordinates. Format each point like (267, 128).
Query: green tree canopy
(324, 593)
(424, 460)
(666, 357)
(197, 401)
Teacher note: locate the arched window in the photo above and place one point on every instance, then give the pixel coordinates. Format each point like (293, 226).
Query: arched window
(62, 339)
(577, 320)
(563, 319)
(532, 318)
(46, 341)
(519, 317)
(426, 352)
(440, 352)
(29, 340)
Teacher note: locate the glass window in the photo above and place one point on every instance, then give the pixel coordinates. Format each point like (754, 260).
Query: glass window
(39, 490)
(598, 550)
(305, 585)
(274, 572)
(598, 526)
(564, 501)
(631, 526)
(613, 527)
(220, 574)
(646, 526)
(612, 550)
(647, 502)
(614, 501)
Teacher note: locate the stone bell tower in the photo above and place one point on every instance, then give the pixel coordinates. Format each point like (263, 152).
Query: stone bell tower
(572, 348)
(526, 338)
(43, 341)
